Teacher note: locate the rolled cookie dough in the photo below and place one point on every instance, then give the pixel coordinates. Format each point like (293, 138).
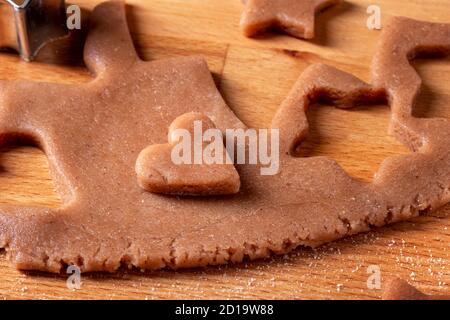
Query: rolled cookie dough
(93, 134)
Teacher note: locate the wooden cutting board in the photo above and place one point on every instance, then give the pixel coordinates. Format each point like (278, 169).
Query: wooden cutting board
(254, 75)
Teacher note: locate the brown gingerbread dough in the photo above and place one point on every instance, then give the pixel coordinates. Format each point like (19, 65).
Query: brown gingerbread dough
(398, 289)
(94, 133)
(157, 172)
(295, 17)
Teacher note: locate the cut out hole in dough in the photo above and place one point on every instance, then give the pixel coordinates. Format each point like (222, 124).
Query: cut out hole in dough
(356, 138)
(24, 170)
(434, 99)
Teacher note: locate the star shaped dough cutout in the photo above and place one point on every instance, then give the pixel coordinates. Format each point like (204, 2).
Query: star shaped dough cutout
(98, 137)
(295, 17)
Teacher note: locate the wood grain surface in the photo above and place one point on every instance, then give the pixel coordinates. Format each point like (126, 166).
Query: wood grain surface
(254, 75)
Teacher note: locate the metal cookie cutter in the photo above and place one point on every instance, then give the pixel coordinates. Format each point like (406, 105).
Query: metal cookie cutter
(34, 24)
